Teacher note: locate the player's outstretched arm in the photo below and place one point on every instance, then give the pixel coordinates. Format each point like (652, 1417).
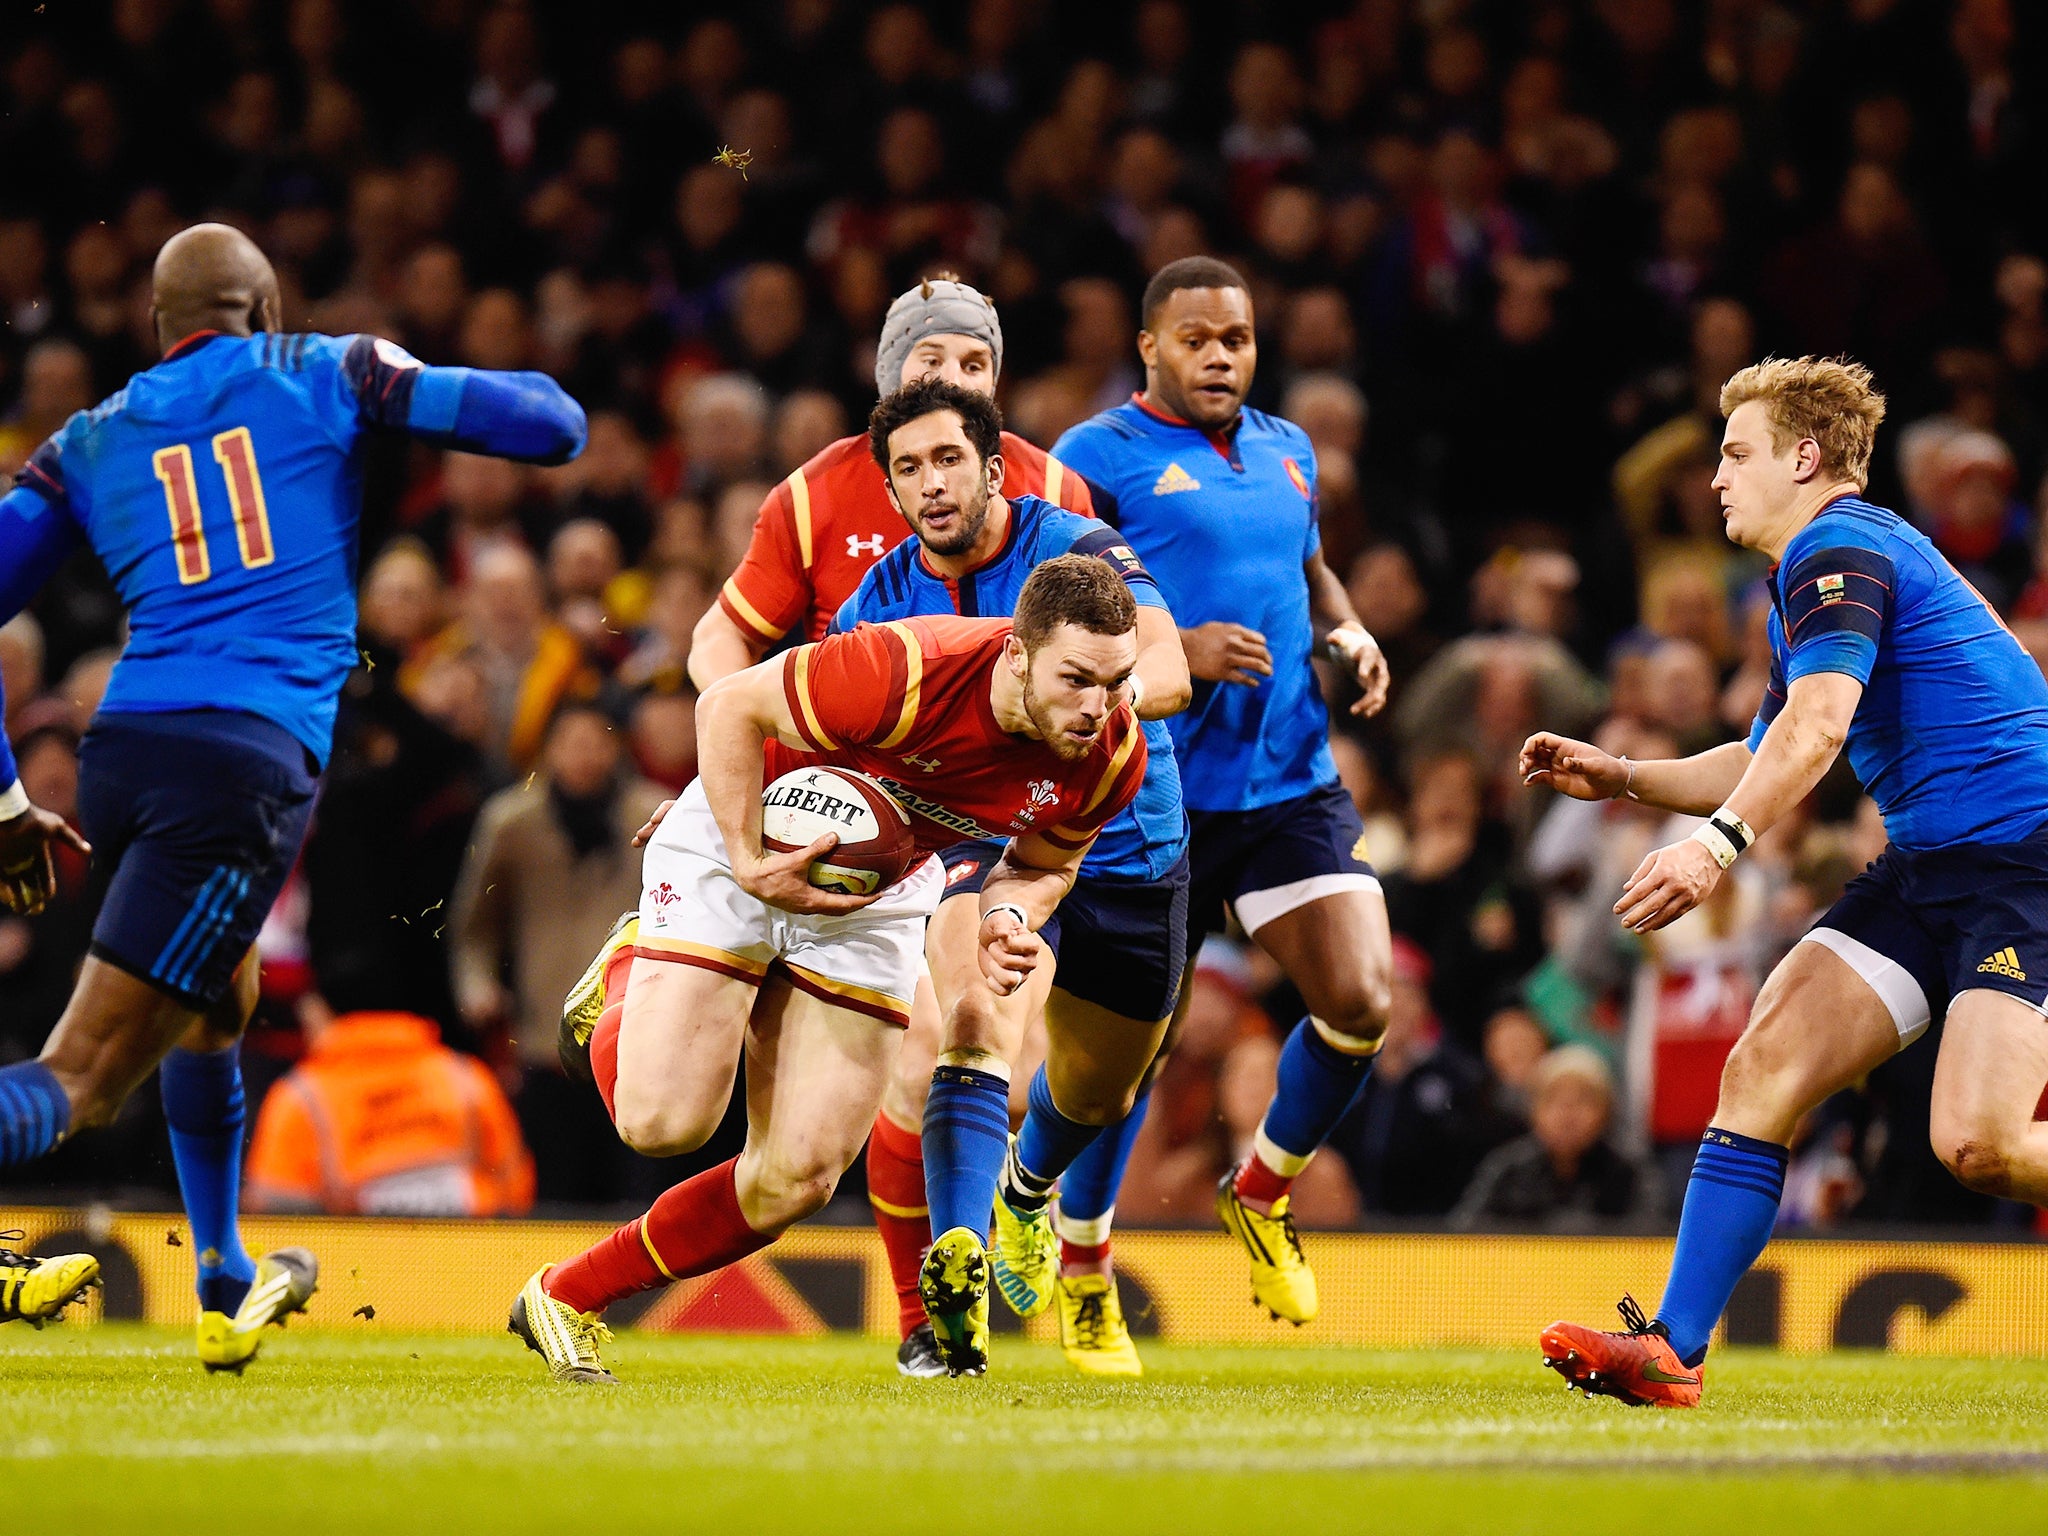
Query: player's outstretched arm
(1796, 751)
(35, 536)
(735, 720)
(1029, 881)
(1692, 786)
(525, 415)
(719, 648)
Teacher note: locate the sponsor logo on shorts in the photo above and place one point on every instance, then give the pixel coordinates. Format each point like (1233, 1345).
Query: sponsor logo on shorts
(961, 871)
(2004, 963)
(1360, 851)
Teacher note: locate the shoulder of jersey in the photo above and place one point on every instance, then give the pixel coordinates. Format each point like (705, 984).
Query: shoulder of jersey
(1125, 421)
(837, 459)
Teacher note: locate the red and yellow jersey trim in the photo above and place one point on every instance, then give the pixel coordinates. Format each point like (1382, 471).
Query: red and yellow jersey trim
(707, 956)
(800, 513)
(911, 673)
(802, 708)
(737, 605)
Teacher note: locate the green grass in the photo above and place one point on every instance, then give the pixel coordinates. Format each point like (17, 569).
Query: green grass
(116, 1429)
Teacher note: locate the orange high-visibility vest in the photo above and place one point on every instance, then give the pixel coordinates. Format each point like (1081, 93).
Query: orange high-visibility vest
(383, 1119)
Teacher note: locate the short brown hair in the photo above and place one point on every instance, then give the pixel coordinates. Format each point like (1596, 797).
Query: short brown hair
(1073, 589)
(1829, 399)
(979, 417)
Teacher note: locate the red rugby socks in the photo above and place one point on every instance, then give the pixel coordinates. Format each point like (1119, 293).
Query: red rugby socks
(896, 1191)
(691, 1230)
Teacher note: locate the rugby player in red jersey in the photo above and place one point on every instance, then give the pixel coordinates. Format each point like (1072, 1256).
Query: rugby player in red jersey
(818, 533)
(1028, 722)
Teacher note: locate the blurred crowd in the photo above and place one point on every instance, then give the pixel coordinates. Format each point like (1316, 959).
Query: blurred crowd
(1502, 253)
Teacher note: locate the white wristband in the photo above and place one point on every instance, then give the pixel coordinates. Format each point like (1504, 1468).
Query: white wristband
(1715, 841)
(1137, 686)
(1023, 917)
(1345, 643)
(13, 801)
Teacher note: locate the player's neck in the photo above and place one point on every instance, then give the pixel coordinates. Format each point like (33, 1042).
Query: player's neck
(994, 530)
(1152, 400)
(1805, 510)
(1006, 702)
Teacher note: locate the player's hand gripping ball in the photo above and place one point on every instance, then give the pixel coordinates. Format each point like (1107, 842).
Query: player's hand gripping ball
(875, 848)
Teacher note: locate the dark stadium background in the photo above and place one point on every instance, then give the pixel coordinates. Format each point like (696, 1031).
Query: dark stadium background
(1502, 253)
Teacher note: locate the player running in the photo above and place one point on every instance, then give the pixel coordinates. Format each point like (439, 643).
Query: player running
(817, 535)
(220, 489)
(1876, 642)
(1220, 503)
(1120, 936)
(1025, 725)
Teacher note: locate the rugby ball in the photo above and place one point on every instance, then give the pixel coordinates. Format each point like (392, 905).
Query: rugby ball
(875, 846)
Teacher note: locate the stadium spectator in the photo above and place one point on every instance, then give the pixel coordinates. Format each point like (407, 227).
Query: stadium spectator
(549, 871)
(382, 1119)
(1564, 1175)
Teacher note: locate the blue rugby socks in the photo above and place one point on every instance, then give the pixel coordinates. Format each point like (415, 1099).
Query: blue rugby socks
(966, 1138)
(1088, 1194)
(1318, 1085)
(202, 1092)
(34, 1112)
(1731, 1204)
(1046, 1146)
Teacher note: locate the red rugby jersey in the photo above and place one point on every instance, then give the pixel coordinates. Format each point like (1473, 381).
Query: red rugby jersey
(820, 530)
(908, 703)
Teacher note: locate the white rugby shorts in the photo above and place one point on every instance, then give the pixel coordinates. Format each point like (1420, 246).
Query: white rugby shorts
(694, 912)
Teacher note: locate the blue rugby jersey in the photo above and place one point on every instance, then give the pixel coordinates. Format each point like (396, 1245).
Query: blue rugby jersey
(1951, 735)
(1225, 525)
(1148, 838)
(221, 491)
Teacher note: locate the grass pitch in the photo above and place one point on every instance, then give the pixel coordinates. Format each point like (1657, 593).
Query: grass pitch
(117, 1429)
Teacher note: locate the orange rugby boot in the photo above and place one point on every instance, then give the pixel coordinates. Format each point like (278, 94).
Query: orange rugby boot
(1638, 1366)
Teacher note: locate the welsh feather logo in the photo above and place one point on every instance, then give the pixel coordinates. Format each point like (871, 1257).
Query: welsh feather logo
(1300, 480)
(1832, 589)
(1174, 479)
(2004, 963)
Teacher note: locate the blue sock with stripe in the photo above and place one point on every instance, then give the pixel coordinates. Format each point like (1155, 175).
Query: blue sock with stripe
(1318, 1084)
(1047, 1145)
(1088, 1189)
(1731, 1204)
(203, 1106)
(34, 1112)
(966, 1138)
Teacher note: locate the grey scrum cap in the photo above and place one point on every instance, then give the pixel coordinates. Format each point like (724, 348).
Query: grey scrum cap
(938, 306)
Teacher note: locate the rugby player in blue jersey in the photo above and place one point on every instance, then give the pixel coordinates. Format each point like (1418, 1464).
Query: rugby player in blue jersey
(1220, 504)
(221, 490)
(1118, 940)
(1877, 644)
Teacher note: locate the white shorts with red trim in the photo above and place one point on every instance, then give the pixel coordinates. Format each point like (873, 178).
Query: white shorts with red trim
(693, 912)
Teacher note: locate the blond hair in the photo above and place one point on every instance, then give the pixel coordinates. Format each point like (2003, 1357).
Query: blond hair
(1828, 399)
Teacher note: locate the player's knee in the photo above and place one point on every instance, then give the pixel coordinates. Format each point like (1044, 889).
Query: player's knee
(786, 1192)
(974, 1024)
(1354, 1014)
(1975, 1153)
(1767, 1068)
(654, 1129)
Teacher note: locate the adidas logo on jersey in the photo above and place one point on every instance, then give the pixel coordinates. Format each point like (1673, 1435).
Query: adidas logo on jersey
(1174, 479)
(2004, 963)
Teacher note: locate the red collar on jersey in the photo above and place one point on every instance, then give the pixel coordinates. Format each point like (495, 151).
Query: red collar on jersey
(1222, 442)
(190, 343)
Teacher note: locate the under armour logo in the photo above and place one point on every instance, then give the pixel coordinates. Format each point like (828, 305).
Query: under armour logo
(856, 546)
(928, 764)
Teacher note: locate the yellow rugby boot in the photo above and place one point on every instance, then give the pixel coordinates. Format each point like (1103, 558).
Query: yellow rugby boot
(1025, 1253)
(584, 1005)
(35, 1290)
(1092, 1330)
(954, 1285)
(285, 1281)
(567, 1339)
(1282, 1282)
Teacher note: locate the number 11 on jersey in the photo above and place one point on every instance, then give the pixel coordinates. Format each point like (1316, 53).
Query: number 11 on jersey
(236, 454)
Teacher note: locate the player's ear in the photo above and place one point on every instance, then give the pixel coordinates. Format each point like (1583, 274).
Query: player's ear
(1148, 349)
(1807, 463)
(992, 468)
